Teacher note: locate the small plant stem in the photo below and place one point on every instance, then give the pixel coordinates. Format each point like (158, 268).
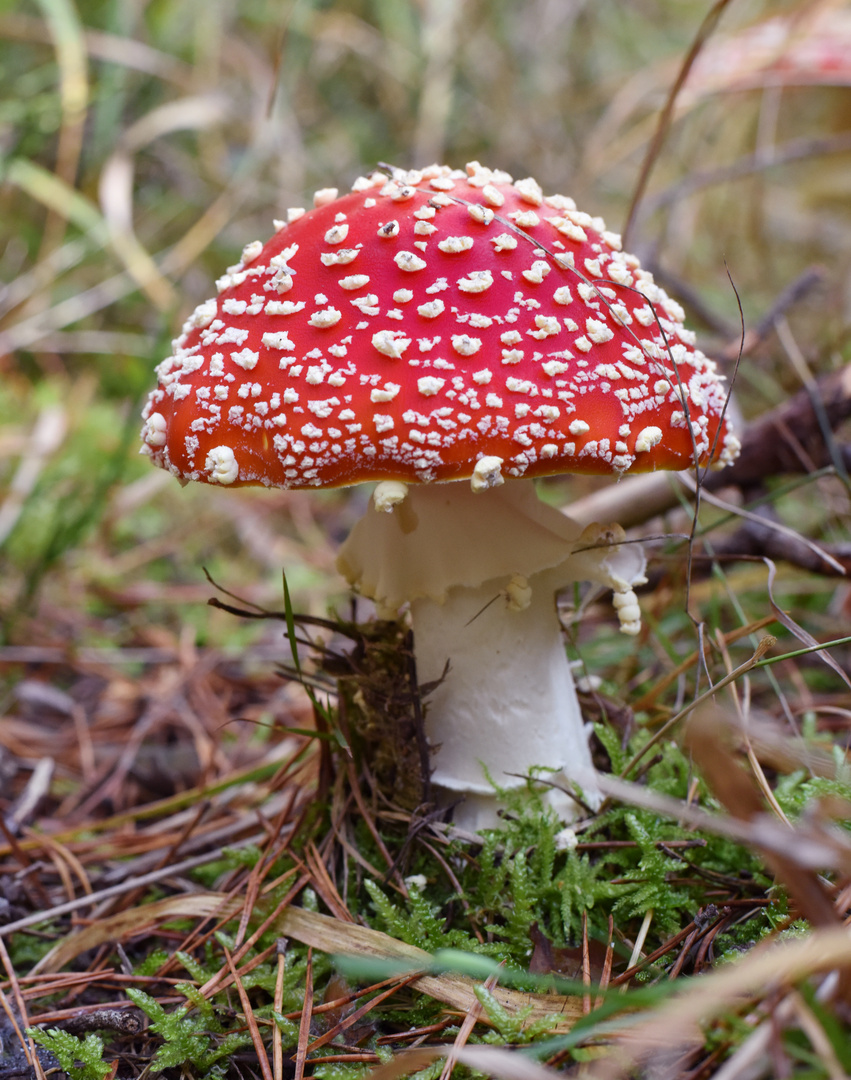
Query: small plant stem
(251, 1020)
(370, 824)
(21, 1010)
(393, 984)
(464, 1032)
(647, 700)
(665, 947)
(215, 983)
(586, 965)
(754, 762)
(639, 943)
(765, 644)
(666, 114)
(304, 1025)
(278, 1004)
(803, 652)
(606, 976)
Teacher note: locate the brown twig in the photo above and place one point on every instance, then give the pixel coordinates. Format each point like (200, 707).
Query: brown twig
(706, 29)
(277, 1005)
(391, 986)
(304, 1023)
(251, 1021)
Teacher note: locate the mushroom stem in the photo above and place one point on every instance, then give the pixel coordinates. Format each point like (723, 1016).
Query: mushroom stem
(507, 704)
(480, 573)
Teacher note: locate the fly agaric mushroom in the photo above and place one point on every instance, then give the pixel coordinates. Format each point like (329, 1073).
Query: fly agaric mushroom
(440, 326)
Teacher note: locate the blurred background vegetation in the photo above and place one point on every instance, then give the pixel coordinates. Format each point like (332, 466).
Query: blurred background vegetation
(142, 144)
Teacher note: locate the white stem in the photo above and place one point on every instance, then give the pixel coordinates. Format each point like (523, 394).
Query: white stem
(507, 703)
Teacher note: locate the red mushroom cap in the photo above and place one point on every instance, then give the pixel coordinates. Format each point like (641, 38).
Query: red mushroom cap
(422, 323)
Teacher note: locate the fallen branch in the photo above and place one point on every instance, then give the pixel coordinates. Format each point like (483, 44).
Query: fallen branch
(755, 540)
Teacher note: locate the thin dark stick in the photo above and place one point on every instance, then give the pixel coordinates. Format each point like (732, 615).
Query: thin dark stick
(707, 28)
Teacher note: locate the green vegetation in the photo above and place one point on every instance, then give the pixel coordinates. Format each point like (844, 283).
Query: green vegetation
(81, 1059)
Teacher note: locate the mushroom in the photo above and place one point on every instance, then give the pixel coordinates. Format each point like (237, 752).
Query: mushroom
(437, 326)
(481, 573)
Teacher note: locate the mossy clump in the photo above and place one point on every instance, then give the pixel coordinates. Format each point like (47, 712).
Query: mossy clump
(380, 712)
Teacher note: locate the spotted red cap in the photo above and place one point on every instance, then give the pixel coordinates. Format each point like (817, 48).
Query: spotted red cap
(426, 323)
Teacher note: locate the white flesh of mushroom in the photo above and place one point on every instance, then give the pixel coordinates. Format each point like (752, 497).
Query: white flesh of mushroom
(480, 572)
